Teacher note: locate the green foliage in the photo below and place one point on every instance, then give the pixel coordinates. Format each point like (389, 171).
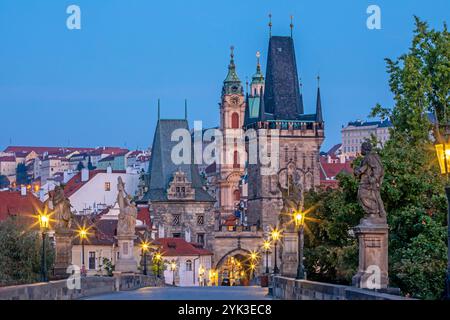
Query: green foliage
(413, 189)
(108, 266)
(21, 174)
(20, 253)
(4, 182)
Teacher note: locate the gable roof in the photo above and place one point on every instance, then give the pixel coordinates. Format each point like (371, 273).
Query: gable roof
(12, 203)
(162, 168)
(172, 247)
(75, 183)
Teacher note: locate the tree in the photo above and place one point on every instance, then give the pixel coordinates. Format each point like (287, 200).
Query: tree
(80, 166)
(4, 182)
(413, 189)
(20, 253)
(22, 174)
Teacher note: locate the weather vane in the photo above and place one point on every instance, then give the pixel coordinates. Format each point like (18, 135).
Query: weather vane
(292, 24)
(270, 24)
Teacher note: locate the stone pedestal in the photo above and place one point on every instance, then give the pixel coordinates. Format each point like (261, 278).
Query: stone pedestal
(373, 256)
(63, 252)
(289, 254)
(126, 261)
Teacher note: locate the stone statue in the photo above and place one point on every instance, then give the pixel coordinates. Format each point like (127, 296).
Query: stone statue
(370, 174)
(61, 208)
(128, 211)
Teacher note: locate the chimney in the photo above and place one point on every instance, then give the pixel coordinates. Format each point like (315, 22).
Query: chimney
(23, 190)
(109, 170)
(84, 174)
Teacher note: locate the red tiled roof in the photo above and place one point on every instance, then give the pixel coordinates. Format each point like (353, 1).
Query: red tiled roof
(7, 159)
(172, 247)
(42, 150)
(230, 220)
(144, 215)
(329, 171)
(75, 183)
(108, 150)
(12, 203)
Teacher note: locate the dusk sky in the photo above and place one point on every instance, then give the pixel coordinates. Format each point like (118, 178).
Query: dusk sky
(99, 85)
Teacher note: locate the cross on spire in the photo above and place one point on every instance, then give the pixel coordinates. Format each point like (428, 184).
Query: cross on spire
(270, 24)
(292, 24)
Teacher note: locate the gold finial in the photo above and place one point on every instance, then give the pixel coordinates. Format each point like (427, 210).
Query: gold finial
(270, 24)
(318, 80)
(232, 52)
(292, 24)
(258, 54)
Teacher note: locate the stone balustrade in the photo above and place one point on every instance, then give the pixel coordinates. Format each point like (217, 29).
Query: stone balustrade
(284, 288)
(90, 286)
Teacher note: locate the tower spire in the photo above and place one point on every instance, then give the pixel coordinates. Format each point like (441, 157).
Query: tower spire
(319, 117)
(232, 83)
(159, 110)
(270, 25)
(292, 24)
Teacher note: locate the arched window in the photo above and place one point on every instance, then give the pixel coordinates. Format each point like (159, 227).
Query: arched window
(236, 159)
(188, 265)
(235, 121)
(237, 195)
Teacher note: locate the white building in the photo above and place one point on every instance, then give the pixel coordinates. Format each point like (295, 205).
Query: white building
(8, 167)
(355, 133)
(193, 263)
(49, 166)
(90, 191)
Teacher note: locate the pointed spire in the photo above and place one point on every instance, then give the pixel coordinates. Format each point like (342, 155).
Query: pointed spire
(319, 117)
(159, 110)
(232, 83)
(258, 76)
(270, 25)
(292, 24)
(262, 107)
(185, 109)
(247, 111)
(301, 108)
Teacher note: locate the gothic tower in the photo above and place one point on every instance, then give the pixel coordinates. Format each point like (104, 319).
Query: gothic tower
(280, 109)
(231, 166)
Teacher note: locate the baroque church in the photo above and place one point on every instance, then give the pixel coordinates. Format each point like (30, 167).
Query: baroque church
(235, 219)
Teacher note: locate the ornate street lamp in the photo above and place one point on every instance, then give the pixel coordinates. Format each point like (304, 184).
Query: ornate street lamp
(299, 220)
(144, 248)
(173, 267)
(266, 247)
(82, 234)
(44, 224)
(443, 154)
(275, 235)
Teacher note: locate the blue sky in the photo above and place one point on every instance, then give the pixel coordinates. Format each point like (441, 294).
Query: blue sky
(99, 85)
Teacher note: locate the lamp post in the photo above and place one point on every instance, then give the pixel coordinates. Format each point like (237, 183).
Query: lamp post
(44, 221)
(275, 235)
(173, 267)
(443, 155)
(144, 249)
(82, 233)
(266, 246)
(299, 219)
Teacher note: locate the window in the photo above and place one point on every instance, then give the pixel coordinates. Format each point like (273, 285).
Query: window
(176, 235)
(91, 260)
(176, 220)
(201, 238)
(200, 220)
(235, 121)
(237, 195)
(188, 265)
(107, 186)
(236, 159)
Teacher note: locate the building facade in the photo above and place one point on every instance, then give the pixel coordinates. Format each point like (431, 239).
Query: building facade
(356, 132)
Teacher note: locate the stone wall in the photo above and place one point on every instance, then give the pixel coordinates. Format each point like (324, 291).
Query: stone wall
(290, 289)
(90, 286)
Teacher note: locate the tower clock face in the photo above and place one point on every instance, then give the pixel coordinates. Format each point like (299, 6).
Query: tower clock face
(235, 100)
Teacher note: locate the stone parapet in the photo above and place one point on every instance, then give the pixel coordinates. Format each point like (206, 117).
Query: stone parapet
(284, 288)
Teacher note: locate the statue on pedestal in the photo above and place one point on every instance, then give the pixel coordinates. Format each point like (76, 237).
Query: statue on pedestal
(372, 232)
(126, 230)
(371, 174)
(60, 205)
